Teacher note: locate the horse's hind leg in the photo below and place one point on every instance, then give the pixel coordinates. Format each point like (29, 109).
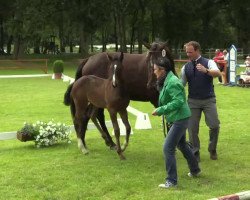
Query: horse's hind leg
(101, 118)
(92, 112)
(113, 116)
(80, 123)
(103, 134)
(124, 116)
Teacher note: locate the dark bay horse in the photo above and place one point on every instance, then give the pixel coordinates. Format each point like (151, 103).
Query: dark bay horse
(137, 76)
(102, 93)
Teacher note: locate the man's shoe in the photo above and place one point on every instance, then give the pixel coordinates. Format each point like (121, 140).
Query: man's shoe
(167, 185)
(213, 155)
(194, 174)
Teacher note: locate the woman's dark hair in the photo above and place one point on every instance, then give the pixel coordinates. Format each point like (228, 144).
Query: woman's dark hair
(165, 63)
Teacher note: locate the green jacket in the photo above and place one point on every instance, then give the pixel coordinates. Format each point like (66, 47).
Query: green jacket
(172, 100)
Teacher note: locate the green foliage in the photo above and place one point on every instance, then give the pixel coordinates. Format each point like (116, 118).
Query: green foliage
(214, 23)
(58, 66)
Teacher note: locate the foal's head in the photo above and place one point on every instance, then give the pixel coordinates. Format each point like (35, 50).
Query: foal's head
(116, 68)
(157, 50)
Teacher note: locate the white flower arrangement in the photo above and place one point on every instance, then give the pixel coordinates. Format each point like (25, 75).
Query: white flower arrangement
(47, 134)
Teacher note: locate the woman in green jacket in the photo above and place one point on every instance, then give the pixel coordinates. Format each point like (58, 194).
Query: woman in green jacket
(173, 105)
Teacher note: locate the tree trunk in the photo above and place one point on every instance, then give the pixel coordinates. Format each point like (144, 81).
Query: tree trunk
(115, 32)
(123, 35)
(61, 37)
(10, 40)
(140, 29)
(84, 42)
(91, 44)
(104, 43)
(243, 40)
(153, 25)
(1, 36)
(71, 46)
(18, 48)
(37, 49)
(37, 46)
(132, 40)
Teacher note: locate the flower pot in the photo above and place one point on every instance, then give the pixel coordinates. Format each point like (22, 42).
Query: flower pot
(23, 137)
(58, 75)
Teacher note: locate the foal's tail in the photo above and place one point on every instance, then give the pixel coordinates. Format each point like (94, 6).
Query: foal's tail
(67, 99)
(73, 109)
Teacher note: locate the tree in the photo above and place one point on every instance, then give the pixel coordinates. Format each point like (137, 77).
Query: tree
(240, 20)
(29, 23)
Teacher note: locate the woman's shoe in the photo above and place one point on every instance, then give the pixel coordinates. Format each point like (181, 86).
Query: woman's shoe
(168, 184)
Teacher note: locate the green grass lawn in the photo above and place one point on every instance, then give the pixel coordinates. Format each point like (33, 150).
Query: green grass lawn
(62, 172)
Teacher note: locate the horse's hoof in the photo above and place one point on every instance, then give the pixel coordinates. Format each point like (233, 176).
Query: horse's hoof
(107, 143)
(124, 147)
(122, 157)
(85, 151)
(112, 147)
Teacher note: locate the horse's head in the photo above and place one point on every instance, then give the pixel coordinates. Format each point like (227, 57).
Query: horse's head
(156, 50)
(116, 68)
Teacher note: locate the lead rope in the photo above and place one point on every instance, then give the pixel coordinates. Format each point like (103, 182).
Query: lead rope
(164, 127)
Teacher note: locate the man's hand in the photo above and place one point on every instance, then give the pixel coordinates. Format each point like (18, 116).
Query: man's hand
(201, 68)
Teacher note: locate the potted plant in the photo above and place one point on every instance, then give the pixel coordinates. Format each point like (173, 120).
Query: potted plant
(44, 133)
(26, 133)
(58, 67)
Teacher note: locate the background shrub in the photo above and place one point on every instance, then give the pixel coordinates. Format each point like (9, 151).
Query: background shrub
(58, 66)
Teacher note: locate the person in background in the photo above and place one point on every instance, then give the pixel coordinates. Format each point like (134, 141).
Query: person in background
(225, 55)
(199, 74)
(218, 57)
(173, 105)
(247, 61)
(224, 71)
(244, 79)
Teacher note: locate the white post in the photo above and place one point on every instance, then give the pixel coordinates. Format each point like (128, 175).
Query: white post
(232, 64)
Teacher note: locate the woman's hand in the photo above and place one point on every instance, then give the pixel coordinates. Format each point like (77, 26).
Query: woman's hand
(154, 113)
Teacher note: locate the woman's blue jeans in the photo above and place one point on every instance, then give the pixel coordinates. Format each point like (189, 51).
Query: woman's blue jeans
(176, 137)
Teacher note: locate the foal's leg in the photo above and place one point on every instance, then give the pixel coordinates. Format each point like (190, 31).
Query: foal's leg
(101, 118)
(92, 113)
(80, 123)
(124, 116)
(113, 116)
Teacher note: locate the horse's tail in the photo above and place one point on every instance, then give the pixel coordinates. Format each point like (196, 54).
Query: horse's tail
(79, 69)
(73, 109)
(67, 98)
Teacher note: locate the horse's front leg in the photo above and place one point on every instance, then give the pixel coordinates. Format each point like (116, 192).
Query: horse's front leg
(113, 116)
(124, 116)
(101, 118)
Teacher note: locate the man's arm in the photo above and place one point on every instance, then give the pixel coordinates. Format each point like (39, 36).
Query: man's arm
(183, 76)
(213, 69)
